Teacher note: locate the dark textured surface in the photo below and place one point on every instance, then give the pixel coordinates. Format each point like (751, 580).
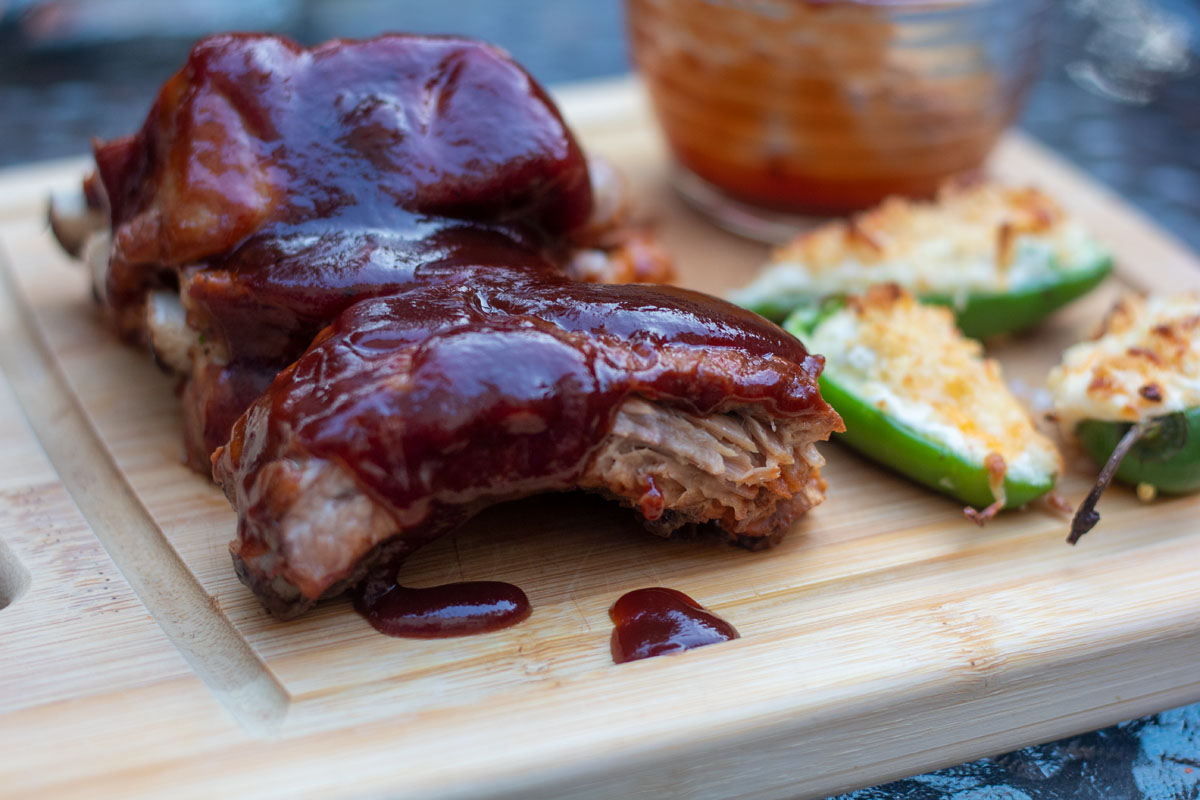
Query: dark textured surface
(65, 78)
(1146, 148)
(1154, 758)
(1118, 97)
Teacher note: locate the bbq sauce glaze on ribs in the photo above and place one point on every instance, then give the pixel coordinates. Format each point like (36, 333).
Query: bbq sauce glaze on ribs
(412, 412)
(271, 186)
(419, 207)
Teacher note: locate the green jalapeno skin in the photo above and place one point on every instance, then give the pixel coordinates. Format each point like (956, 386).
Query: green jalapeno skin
(779, 306)
(885, 439)
(978, 314)
(891, 442)
(1169, 462)
(984, 314)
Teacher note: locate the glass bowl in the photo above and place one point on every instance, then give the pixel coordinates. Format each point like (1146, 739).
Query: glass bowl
(779, 108)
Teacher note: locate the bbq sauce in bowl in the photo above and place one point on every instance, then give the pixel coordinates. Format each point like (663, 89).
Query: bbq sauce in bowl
(826, 106)
(657, 621)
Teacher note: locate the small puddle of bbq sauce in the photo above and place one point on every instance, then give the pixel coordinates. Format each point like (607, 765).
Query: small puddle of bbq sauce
(657, 621)
(441, 612)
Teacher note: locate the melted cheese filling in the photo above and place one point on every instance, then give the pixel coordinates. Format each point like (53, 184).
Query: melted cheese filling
(1144, 362)
(909, 361)
(979, 238)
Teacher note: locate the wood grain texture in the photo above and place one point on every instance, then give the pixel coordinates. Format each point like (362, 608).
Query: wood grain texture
(886, 636)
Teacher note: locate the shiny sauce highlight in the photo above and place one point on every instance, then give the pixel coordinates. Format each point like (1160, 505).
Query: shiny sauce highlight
(440, 612)
(657, 621)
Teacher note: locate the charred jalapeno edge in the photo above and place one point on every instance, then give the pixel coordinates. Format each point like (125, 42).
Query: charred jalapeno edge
(979, 314)
(1163, 452)
(895, 444)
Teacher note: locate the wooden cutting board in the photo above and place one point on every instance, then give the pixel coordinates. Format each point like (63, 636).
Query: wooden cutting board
(886, 636)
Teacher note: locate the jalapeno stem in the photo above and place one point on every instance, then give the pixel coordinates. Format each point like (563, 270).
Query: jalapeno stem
(1086, 515)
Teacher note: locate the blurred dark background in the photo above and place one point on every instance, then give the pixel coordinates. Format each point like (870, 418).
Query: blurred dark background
(1119, 93)
(1119, 96)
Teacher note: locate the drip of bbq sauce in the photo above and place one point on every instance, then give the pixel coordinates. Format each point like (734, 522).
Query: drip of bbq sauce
(657, 621)
(440, 612)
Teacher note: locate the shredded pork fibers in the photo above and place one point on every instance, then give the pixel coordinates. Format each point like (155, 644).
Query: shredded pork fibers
(742, 469)
(316, 531)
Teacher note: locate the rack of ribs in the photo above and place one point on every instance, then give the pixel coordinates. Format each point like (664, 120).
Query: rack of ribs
(386, 272)
(271, 186)
(413, 412)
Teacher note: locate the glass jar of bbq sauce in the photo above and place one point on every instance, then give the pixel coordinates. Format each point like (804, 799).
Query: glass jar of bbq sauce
(779, 108)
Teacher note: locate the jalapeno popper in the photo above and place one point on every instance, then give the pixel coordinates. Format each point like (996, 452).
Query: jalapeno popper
(1131, 397)
(918, 397)
(1002, 258)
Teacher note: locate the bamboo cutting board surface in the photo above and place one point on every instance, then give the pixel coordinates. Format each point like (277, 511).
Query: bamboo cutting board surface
(886, 636)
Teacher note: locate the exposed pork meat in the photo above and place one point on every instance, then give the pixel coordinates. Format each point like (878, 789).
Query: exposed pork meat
(75, 216)
(747, 471)
(411, 413)
(167, 331)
